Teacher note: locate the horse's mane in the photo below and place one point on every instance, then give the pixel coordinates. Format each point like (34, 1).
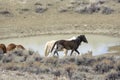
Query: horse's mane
(47, 47)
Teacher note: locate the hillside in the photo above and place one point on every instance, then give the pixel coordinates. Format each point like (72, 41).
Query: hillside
(33, 17)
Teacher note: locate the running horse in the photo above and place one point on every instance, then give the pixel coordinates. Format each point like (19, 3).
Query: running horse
(49, 45)
(69, 45)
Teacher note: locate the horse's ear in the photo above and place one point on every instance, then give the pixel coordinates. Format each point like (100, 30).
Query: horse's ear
(82, 35)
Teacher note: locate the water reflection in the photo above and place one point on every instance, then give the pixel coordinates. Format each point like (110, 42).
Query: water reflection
(96, 43)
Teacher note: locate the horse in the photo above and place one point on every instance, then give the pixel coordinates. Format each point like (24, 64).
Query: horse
(69, 45)
(3, 48)
(49, 45)
(20, 47)
(13, 46)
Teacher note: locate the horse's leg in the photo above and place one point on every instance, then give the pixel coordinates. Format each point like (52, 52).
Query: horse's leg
(65, 52)
(77, 51)
(54, 53)
(57, 54)
(71, 52)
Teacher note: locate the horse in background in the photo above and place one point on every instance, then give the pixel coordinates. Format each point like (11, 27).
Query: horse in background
(10, 47)
(20, 47)
(69, 44)
(13, 46)
(2, 48)
(49, 45)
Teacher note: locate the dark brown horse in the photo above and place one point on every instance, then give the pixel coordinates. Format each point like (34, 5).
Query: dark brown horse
(3, 48)
(69, 45)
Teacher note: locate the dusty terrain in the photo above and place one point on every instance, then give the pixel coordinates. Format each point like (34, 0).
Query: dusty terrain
(30, 18)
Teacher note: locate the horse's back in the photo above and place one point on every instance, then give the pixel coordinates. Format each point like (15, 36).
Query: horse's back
(20, 47)
(11, 46)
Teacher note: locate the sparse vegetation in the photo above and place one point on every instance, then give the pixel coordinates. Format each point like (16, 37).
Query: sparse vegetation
(5, 13)
(71, 68)
(41, 9)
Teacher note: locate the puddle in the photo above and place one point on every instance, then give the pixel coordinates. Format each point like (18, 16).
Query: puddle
(98, 44)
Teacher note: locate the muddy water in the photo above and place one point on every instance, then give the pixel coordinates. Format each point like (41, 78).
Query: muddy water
(98, 44)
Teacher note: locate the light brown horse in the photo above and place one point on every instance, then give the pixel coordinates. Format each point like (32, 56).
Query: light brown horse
(13, 46)
(10, 47)
(20, 47)
(3, 48)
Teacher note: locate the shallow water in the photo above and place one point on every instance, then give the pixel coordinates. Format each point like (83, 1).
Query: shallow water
(98, 44)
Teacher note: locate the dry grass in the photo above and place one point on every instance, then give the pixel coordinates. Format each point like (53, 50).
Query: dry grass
(25, 21)
(115, 48)
(69, 68)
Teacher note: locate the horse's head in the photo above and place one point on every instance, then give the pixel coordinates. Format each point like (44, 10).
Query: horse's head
(83, 38)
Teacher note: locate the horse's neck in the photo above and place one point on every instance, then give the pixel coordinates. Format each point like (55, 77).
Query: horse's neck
(78, 41)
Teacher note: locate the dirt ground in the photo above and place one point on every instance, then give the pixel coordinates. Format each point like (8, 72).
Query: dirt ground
(21, 23)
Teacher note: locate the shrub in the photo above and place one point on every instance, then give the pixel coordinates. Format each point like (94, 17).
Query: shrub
(41, 9)
(31, 52)
(10, 66)
(7, 58)
(113, 76)
(101, 1)
(81, 10)
(25, 9)
(69, 71)
(17, 52)
(38, 4)
(87, 9)
(84, 69)
(51, 60)
(71, 58)
(4, 12)
(85, 61)
(56, 73)
(117, 65)
(118, 1)
(61, 10)
(44, 69)
(78, 76)
(107, 10)
(104, 66)
(1, 56)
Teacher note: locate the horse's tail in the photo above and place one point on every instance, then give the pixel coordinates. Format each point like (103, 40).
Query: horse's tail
(53, 46)
(46, 50)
